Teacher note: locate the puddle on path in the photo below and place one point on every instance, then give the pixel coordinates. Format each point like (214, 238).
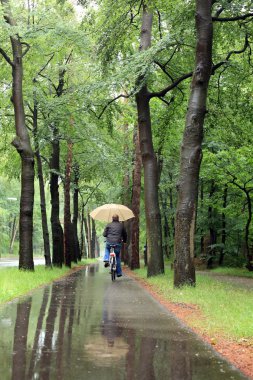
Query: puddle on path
(87, 327)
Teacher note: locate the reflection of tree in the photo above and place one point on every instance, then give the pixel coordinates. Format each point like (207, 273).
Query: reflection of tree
(180, 361)
(38, 332)
(72, 310)
(20, 340)
(130, 356)
(146, 361)
(60, 337)
(50, 326)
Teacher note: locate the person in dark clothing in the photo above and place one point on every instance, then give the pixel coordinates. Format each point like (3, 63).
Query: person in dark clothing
(115, 234)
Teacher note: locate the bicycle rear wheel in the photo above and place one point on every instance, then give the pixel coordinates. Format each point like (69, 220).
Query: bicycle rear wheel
(113, 275)
(113, 269)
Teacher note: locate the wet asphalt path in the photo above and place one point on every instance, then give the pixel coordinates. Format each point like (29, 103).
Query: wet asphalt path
(14, 261)
(86, 327)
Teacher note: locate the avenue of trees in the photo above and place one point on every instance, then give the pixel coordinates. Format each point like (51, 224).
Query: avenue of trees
(145, 103)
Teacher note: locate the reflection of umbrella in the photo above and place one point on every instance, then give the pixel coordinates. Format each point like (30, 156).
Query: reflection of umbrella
(104, 352)
(105, 212)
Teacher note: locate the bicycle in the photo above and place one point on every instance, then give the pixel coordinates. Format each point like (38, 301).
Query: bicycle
(113, 262)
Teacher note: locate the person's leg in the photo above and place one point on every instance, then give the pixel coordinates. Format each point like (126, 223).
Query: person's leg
(107, 252)
(118, 268)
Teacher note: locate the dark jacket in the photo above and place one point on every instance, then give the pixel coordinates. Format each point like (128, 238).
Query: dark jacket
(115, 232)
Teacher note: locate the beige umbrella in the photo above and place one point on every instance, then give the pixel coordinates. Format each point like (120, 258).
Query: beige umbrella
(105, 212)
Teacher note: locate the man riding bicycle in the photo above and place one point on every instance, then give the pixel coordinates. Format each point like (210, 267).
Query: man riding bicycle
(115, 233)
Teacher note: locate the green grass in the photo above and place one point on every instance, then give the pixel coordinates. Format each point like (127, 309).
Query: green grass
(226, 308)
(15, 283)
(239, 272)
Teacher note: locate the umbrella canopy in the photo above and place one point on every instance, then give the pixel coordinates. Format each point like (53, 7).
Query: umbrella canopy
(105, 212)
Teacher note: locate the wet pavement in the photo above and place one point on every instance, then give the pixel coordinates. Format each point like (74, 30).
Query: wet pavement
(86, 327)
(14, 261)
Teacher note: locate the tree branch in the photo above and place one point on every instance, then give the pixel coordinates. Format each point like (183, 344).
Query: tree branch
(113, 100)
(27, 48)
(162, 67)
(162, 93)
(6, 57)
(49, 80)
(46, 64)
(90, 195)
(168, 103)
(246, 44)
(159, 23)
(235, 18)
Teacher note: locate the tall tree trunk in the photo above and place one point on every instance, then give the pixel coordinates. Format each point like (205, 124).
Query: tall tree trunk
(136, 197)
(126, 199)
(88, 237)
(191, 152)
(14, 230)
(83, 245)
(249, 264)
(43, 207)
(57, 232)
(212, 228)
(166, 228)
(97, 246)
(152, 210)
(223, 233)
(93, 239)
(68, 239)
(202, 227)
(76, 248)
(23, 146)
(89, 232)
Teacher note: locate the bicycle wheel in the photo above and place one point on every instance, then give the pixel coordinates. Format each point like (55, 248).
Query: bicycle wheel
(113, 269)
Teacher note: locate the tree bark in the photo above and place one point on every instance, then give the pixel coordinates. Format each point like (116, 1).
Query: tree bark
(223, 233)
(249, 264)
(43, 207)
(88, 237)
(166, 228)
(76, 248)
(152, 210)
(212, 228)
(89, 231)
(136, 198)
(191, 152)
(93, 239)
(68, 236)
(83, 245)
(23, 146)
(57, 232)
(126, 199)
(14, 230)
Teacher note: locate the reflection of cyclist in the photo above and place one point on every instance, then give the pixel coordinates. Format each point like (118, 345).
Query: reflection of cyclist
(115, 233)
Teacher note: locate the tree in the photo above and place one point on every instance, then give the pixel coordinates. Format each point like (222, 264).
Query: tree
(153, 216)
(68, 231)
(22, 144)
(191, 155)
(136, 197)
